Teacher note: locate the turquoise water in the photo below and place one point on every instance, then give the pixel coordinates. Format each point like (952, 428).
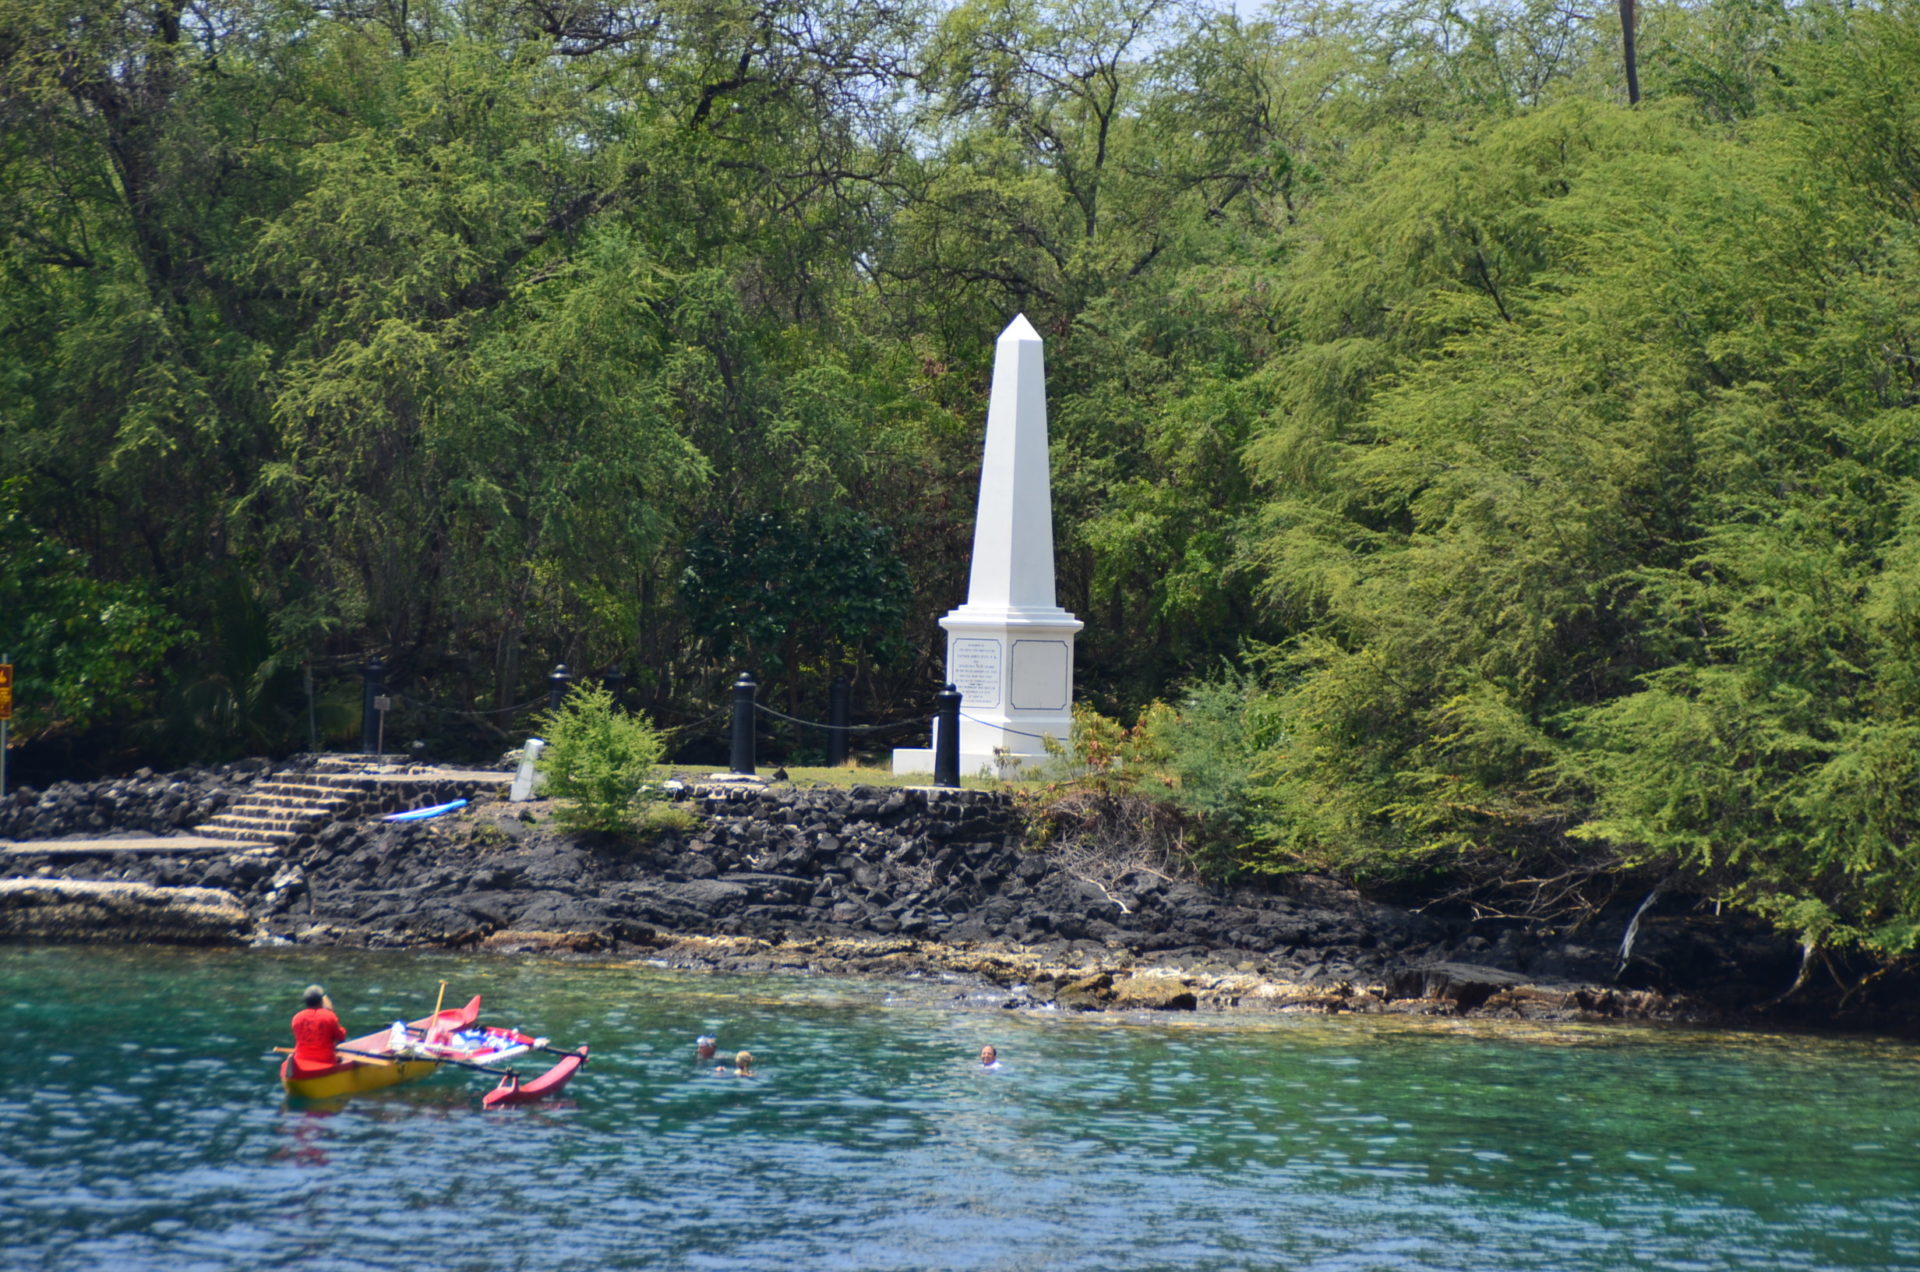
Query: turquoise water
(144, 1128)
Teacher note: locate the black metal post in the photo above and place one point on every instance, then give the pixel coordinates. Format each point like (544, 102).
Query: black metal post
(557, 681)
(373, 684)
(946, 738)
(838, 714)
(614, 681)
(743, 689)
(313, 730)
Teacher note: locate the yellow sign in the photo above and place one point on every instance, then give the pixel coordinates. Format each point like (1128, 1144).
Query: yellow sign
(6, 703)
(6, 675)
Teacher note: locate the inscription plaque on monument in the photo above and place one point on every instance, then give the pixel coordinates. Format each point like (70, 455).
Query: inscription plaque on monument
(974, 668)
(1042, 670)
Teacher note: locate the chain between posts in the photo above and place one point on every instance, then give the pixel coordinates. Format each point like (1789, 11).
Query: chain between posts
(1037, 737)
(376, 702)
(422, 704)
(850, 728)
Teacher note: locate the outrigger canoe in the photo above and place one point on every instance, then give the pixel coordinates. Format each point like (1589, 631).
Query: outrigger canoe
(452, 1037)
(374, 1064)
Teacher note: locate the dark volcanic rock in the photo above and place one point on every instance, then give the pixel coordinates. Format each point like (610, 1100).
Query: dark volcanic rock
(70, 909)
(902, 871)
(1465, 985)
(144, 802)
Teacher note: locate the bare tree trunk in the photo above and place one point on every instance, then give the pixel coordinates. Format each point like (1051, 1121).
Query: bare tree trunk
(1629, 52)
(1799, 979)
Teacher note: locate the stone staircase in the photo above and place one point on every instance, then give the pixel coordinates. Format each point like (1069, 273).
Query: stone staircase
(286, 808)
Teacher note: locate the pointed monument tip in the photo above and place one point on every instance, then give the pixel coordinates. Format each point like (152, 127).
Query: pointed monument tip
(1020, 329)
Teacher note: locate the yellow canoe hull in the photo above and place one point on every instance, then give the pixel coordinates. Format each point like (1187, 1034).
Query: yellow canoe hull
(351, 1077)
(354, 1079)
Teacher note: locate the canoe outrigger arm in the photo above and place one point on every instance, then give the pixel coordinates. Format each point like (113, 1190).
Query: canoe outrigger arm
(445, 1051)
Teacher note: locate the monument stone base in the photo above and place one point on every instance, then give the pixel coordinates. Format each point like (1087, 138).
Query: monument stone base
(918, 760)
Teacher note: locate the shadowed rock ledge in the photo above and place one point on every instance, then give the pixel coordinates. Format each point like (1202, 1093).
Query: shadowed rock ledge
(84, 910)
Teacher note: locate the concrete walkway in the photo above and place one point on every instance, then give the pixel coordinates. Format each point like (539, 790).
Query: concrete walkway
(481, 777)
(99, 847)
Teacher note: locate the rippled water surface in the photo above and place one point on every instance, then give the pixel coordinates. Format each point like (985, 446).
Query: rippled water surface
(144, 1128)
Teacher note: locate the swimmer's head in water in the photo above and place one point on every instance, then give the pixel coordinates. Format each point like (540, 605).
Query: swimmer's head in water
(988, 1055)
(743, 1061)
(703, 1046)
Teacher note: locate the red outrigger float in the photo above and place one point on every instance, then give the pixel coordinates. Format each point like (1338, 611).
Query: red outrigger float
(407, 1051)
(513, 1091)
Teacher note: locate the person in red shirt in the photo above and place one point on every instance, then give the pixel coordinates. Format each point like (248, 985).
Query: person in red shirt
(316, 1030)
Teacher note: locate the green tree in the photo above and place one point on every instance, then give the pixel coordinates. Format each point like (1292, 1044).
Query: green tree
(778, 593)
(84, 649)
(598, 762)
(1589, 478)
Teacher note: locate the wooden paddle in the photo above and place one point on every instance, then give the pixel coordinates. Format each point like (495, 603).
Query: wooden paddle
(359, 1055)
(437, 1003)
(374, 1057)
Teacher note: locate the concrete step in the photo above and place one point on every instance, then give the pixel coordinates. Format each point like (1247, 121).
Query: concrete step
(345, 789)
(310, 790)
(288, 806)
(366, 764)
(240, 835)
(263, 806)
(265, 813)
(246, 821)
(329, 781)
(304, 801)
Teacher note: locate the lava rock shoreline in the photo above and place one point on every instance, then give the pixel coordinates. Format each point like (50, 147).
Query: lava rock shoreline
(868, 881)
(146, 801)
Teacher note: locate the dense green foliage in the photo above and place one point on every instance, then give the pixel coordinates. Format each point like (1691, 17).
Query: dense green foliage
(1514, 489)
(598, 762)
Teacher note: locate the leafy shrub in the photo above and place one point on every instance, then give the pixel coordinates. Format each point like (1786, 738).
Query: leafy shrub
(1106, 753)
(598, 761)
(1108, 813)
(1180, 788)
(1210, 747)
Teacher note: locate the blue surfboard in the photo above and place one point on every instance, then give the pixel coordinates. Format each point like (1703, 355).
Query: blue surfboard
(421, 814)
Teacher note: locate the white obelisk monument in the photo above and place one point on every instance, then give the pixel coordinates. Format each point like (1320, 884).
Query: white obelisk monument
(1010, 647)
